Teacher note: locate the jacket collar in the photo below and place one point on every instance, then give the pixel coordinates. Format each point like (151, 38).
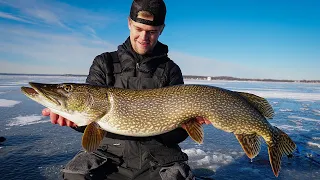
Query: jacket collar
(160, 50)
(133, 63)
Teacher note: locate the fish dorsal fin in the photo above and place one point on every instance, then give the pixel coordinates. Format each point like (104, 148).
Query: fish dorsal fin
(194, 129)
(92, 137)
(261, 104)
(250, 144)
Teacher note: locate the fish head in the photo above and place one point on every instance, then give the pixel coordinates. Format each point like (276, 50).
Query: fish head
(72, 101)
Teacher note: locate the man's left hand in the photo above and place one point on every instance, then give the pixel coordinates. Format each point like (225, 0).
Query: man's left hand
(202, 120)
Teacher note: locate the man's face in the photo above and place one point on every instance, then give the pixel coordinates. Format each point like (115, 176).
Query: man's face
(143, 37)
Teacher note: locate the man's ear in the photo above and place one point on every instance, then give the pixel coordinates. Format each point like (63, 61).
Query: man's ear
(129, 23)
(162, 28)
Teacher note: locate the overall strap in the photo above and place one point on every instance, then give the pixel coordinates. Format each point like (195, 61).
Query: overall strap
(116, 62)
(113, 68)
(162, 72)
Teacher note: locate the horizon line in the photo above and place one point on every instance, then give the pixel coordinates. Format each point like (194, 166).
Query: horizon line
(197, 76)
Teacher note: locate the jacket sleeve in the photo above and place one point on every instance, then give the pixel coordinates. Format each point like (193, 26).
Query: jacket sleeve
(178, 135)
(97, 72)
(175, 76)
(97, 76)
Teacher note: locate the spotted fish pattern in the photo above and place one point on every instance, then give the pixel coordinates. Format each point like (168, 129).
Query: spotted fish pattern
(151, 112)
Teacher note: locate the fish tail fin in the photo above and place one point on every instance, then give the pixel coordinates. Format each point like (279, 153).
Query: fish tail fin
(282, 145)
(250, 144)
(287, 146)
(92, 137)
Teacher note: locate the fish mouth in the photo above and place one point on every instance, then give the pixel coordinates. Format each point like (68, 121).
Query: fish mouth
(38, 90)
(29, 91)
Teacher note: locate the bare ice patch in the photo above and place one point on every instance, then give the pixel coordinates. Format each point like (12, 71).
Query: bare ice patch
(287, 95)
(266, 93)
(211, 160)
(316, 112)
(8, 103)
(291, 128)
(313, 144)
(285, 110)
(193, 152)
(316, 138)
(304, 118)
(27, 120)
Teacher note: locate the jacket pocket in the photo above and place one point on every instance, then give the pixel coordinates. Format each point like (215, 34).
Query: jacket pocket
(111, 149)
(113, 146)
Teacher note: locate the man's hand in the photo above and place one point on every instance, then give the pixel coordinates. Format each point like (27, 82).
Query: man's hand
(202, 120)
(56, 119)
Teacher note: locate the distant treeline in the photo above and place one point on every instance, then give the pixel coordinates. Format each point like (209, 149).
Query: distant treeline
(227, 78)
(16, 74)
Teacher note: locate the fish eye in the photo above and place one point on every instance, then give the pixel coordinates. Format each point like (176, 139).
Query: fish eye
(67, 88)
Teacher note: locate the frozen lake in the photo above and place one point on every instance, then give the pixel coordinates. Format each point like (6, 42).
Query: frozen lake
(35, 149)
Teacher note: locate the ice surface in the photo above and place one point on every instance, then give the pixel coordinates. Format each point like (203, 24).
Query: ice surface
(313, 144)
(210, 160)
(287, 95)
(8, 103)
(304, 118)
(36, 149)
(27, 120)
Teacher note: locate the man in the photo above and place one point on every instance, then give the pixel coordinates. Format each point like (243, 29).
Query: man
(140, 62)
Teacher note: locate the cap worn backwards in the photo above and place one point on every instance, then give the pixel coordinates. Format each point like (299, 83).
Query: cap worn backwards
(156, 8)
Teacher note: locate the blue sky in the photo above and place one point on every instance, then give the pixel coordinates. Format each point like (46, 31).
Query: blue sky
(247, 39)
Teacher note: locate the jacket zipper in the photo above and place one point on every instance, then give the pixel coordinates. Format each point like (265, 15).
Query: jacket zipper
(137, 69)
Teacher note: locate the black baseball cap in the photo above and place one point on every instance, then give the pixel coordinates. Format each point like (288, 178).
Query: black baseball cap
(156, 7)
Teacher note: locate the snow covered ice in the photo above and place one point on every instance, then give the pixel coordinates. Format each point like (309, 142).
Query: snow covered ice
(35, 149)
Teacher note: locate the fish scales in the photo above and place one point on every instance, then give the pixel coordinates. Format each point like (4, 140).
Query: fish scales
(151, 112)
(170, 106)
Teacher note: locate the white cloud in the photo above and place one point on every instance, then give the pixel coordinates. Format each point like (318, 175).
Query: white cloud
(197, 65)
(47, 16)
(37, 52)
(59, 14)
(62, 35)
(12, 17)
(11, 67)
(63, 38)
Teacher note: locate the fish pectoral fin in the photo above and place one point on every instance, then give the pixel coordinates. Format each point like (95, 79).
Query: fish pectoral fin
(194, 129)
(250, 144)
(92, 137)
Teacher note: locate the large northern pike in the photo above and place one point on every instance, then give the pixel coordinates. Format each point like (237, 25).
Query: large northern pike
(151, 112)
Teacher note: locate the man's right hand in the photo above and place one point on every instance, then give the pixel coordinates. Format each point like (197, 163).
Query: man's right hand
(56, 119)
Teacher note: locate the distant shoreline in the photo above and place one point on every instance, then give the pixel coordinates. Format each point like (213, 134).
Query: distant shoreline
(188, 77)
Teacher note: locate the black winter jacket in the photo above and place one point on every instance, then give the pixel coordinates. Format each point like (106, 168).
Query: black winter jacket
(137, 72)
(127, 69)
